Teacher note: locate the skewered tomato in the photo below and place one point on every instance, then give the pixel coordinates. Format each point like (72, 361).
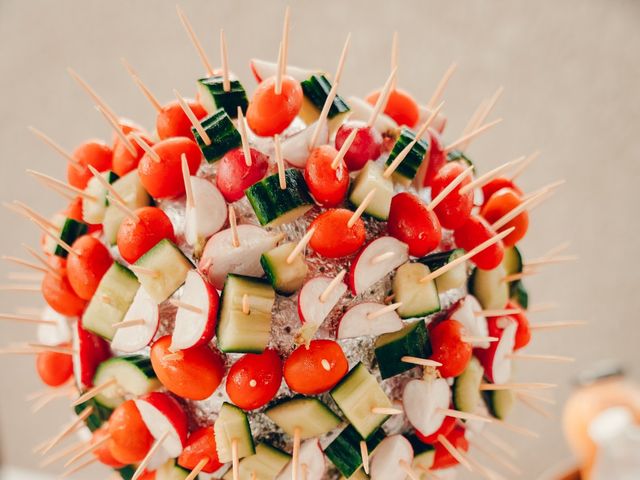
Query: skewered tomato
(523, 333)
(54, 368)
(328, 185)
(500, 204)
(315, 369)
(136, 236)
(496, 184)
(123, 160)
(445, 429)
(201, 444)
(411, 222)
(449, 349)
(173, 122)
(269, 113)
(367, 144)
(442, 458)
(60, 296)
(193, 373)
(475, 231)
(163, 178)
(401, 107)
(254, 379)
(455, 208)
(92, 152)
(333, 237)
(235, 176)
(86, 265)
(130, 437)
(103, 453)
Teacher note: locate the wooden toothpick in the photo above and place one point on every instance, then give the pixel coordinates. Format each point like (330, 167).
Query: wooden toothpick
(476, 340)
(192, 118)
(520, 170)
(514, 212)
(197, 469)
(490, 175)
(516, 386)
(383, 311)
(25, 263)
(26, 319)
(449, 412)
(361, 208)
(48, 141)
(117, 128)
(92, 93)
(344, 149)
(48, 181)
(541, 358)
(386, 411)
(300, 246)
(194, 40)
(454, 452)
(497, 312)
(89, 394)
(186, 178)
(442, 85)
(186, 306)
(296, 453)
(143, 88)
(364, 453)
(82, 466)
(332, 285)
(542, 326)
(129, 323)
(224, 59)
(471, 135)
(282, 181)
(233, 225)
(68, 429)
(424, 362)
(449, 188)
(87, 449)
(153, 155)
(284, 51)
(143, 465)
(381, 103)
(242, 129)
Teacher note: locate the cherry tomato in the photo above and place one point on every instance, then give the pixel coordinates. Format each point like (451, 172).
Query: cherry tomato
(523, 334)
(60, 296)
(130, 437)
(455, 208)
(123, 160)
(496, 184)
(193, 373)
(411, 222)
(442, 458)
(163, 179)
(449, 349)
(136, 236)
(148, 475)
(500, 204)
(254, 379)
(269, 113)
(201, 444)
(173, 122)
(86, 265)
(367, 144)
(235, 176)
(328, 185)
(92, 152)
(316, 369)
(475, 231)
(435, 160)
(103, 453)
(54, 368)
(333, 238)
(445, 429)
(401, 107)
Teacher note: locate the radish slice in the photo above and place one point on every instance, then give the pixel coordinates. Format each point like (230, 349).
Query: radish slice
(54, 333)
(475, 326)
(311, 459)
(375, 261)
(220, 257)
(310, 308)
(195, 328)
(356, 322)
(162, 413)
(89, 352)
(361, 110)
(386, 459)
(501, 364)
(438, 123)
(295, 149)
(422, 399)
(134, 338)
(209, 213)
(262, 69)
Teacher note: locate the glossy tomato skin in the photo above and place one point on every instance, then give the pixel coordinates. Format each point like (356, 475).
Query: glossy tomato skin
(193, 373)
(401, 107)
(130, 437)
(163, 179)
(327, 185)
(367, 144)
(254, 379)
(92, 152)
(60, 296)
(316, 369)
(501, 203)
(54, 368)
(523, 333)
(201, 444)
(235, 176)
(449, 349)
(475, 231)
(437, 157)
(333, 238)
(443, 459)
(454, 210)
(136, 236)
(173, 122)
(445, 429)
(87, 264)
(123, 160)
(411, 222)
(103, 453)
(496, 184)
(269, 113)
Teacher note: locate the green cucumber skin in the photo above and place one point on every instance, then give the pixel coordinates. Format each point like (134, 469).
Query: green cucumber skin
(439, 259)
(111, 177)
(316, 88)
(411, 163)
(228, 101)
(499, 402)
(223, 133)
(71, 231)
(414, 343)
(140, 362)
(455, 155)
(127, 472)
(344, 451)
(519, 294)
(512, 254)
(98, 417)
(419, 447)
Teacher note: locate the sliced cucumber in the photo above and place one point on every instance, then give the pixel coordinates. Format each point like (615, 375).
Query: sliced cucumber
(454, 278)
(409, 166)
(170, 470)
(57, 221)
(133, 193)
(458, 155)
(344, 451)
(512, 261)
(423, 454)
(519, 294)
(70, 231)
(265, 464)
(466, 387)
(316, 88)
(308, 414)
(499, 402)
(232, 425)
(285, 277)
(98, 417)
(245, 332)
(111, 301)
(418, 299)
(212, 96)
(356, 395)
(133, 374)
(411, 341)
(274, 206)
(370, 177)
(93, 210)
(169, 266)
(489, 287)
(223, 135)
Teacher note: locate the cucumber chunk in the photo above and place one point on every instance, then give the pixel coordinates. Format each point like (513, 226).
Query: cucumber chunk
(418, 299)
(489, 288)
(223, 135)
(232, 425)
(265, 464)
(458, 155)
(213, 97)
(409, 166)
(93, 210)
(356, 395)
(344, 451)
(412, 341)
(512, 261)
(57, 221)
(308, 414)
(466, 387)
(70, 231)
(370, 177)
(100, 414)
(316, 88)
(286, 278)
(499, 402)
(423, 454)
(170, 470)
(454, 278)
(133, 374)
(133, 193)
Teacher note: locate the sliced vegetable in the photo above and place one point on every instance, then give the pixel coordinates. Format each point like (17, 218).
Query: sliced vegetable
(135, 337)
(361, 320)
(130, 437)
(232, 426)
(512, 261)
(466, 387)
(489, 287)
(263, 69)
(313, 307)
(93, 210)
(519, 294)
(423, 402)
(386, 460)
(474, 324)
(361, 110)
(371, 177)
(222, 134)
(133, 376)
(406, 171)
(344, 450)
(70, 231)
(454, 278)
(212, 95)
(310, 416)
(495, 360)
(265, 464)
(130, 188)
(423, 454)
(411, 341)
(375, 261)
(162, 413)
(89, 352)
(170, 470)
(208, 213)
(417, 299)
(295, 149)
(499, 402)
(310, 461)
(316, 89)
(286, 278)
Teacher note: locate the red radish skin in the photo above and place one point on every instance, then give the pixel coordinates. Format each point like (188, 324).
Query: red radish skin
(254, 379)
(475, 231)
(87, 264)
(445, 429)
(454, 210)
(443, 459)
(92, 152)
(411, 222)
(437, 157)
(173, 122)
(201, 445)
(327, 185)
(171, 410)
(136, 236)
(235, 176)
(367, 144)
(91, 351)
(502, 328)
(333, 238)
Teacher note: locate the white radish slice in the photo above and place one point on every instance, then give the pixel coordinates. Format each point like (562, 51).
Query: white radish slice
(295, 149)
(501, 364)
(356, 322)
(375, 261)
(361, 110)
(438, 123)
(136, 337)
(475, 326)
(220, 257)
(422, 400)
(158, 424)
(387, 457)
(263, 69)
(311, 462)
(54, 333)
(209, 213)
(160, 457)
(310, 309)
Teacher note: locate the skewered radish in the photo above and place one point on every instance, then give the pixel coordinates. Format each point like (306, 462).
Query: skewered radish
(368, 319)
(375, 261)
(136, 336)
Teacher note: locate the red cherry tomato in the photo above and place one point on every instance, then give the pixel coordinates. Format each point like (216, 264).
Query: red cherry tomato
(92, 152)
(411, 222)
(449, 349)
(501, 203)
(254, 379)
(437, 158)
(193, 373)
(367, 144)
(445, 429)
(172, 121)
(163, 179)
(235, 176)
(130, 437)
(496, 184)
(60, 296)
(269, 113)
(442, 458)
(103, 453)
(86, 265)
(523, 334)
(316, 369)
(201, 445)
(333, 238)
(401, 107)
(455, 208)
(475, 231)
(54, 368)
(328, 185)
(136, 236)
(124, 161)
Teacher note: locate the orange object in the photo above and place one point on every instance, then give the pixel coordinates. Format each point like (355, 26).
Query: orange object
(316, 369)
(401, 107)
(54, 368)
(173, 122)
(130, 438)
(333, 238)
(269, 113)
(92, 152)
(500, 204)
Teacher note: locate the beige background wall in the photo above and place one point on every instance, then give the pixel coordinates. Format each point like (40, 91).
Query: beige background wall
(571, 73)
